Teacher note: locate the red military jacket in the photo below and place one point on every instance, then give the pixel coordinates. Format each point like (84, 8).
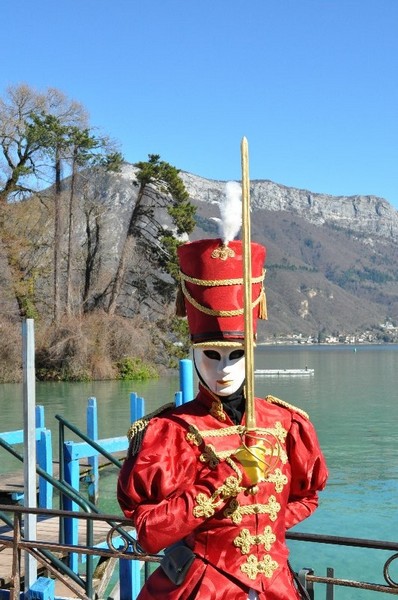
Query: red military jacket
(185, 484)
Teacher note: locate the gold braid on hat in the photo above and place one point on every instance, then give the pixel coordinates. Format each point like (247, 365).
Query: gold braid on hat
(218, 283)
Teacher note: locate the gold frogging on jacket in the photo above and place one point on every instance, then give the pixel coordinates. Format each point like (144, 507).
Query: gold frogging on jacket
(206, 506)
(245, 540)
(236, 511)
(253, 567)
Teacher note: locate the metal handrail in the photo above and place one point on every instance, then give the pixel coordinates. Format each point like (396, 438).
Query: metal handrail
(40, 549)
(89, 441)
(338, 540)
(65, 423)
(66, 489)
(62, 486)
(308, 578)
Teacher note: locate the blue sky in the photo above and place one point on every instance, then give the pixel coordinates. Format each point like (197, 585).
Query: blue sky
(312, 84)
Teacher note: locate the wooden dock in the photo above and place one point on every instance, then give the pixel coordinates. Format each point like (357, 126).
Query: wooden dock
(12, 484)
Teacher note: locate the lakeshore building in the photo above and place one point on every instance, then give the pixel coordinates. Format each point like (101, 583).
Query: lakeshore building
(386, 333)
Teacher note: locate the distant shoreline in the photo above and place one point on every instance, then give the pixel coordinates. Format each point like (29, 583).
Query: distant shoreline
(326, 345)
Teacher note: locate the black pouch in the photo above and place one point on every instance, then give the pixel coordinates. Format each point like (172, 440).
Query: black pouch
(176, 562)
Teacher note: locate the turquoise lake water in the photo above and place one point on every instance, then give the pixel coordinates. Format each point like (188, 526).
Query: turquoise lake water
(352, 399)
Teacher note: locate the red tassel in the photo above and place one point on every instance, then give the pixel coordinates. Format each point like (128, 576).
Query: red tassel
(262, 309)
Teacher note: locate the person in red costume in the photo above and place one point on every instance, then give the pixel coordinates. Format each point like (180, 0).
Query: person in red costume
(195, 481)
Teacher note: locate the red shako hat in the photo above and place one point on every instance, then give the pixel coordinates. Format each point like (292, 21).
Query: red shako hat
(213, 290)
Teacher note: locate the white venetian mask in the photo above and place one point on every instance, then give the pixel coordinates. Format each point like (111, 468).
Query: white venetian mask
(221, 368)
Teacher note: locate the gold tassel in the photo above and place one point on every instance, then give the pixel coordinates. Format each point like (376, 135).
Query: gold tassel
(262, 307)
(180, 303)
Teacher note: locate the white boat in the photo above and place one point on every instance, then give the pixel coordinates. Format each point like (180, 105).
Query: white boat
(305, 371)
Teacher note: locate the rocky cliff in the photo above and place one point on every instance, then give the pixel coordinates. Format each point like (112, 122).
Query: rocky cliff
(369, 215)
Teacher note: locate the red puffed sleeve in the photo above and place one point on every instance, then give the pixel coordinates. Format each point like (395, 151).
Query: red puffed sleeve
(158, 487)
(308, 470)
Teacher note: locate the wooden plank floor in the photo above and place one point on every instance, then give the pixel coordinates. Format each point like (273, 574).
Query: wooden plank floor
(13, 482)
(47, 530)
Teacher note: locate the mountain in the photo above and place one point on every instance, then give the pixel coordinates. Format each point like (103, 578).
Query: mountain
(332, 261)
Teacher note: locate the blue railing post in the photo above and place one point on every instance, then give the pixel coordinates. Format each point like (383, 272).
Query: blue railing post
(92, 432)
(129, 578)
(40, 416)
(186, 380)
(45, 461)
(71, 526)
(44, 454)
(137, 407)
(42, 589)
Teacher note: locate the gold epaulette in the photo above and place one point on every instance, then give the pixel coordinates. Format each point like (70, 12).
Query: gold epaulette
(275, 400)
(137, 429)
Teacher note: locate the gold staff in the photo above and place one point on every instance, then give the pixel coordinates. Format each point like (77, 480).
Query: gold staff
(247, 279)
(251, 454)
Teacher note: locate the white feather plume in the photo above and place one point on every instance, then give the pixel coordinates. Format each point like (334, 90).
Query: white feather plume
(231, 212)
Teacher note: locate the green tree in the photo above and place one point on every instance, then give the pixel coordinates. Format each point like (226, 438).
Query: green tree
(159, 189)
(52, 135)
(29, 123)
(87, 152)
(22, 168)
(78, 148)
